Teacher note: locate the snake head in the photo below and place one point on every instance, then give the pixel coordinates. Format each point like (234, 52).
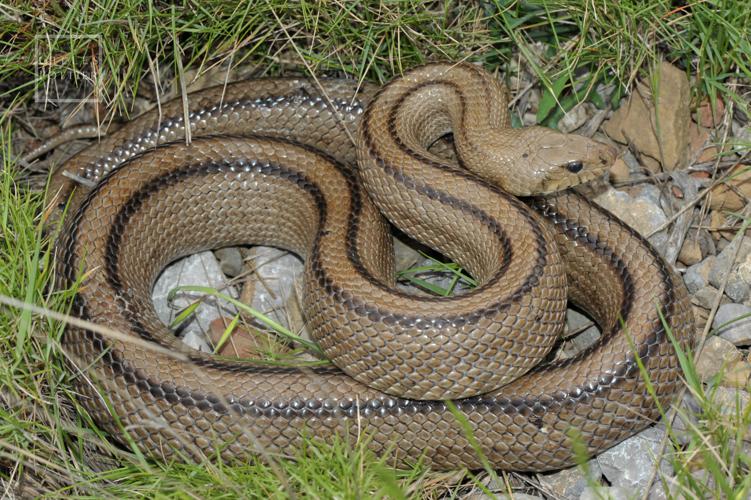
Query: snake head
(556, 161)
(538, 160)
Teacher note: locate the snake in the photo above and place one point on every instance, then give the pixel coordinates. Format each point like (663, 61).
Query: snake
(321, 168)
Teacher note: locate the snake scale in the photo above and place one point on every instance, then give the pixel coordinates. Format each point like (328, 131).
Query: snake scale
(271, 162)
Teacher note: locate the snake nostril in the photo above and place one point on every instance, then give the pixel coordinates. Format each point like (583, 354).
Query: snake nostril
(574, 166)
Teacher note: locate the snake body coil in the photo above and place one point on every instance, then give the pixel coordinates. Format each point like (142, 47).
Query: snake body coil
(291, 185)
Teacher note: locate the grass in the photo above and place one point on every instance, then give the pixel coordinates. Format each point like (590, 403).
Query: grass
(116, 50)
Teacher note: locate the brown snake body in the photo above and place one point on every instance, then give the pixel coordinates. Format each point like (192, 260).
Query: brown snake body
(152, 205)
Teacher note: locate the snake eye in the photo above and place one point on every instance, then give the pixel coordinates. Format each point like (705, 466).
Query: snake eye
(574, 166)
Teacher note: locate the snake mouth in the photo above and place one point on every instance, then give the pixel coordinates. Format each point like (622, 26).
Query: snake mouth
(552, 184)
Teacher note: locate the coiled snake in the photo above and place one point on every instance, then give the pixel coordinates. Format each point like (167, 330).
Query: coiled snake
(291, 184)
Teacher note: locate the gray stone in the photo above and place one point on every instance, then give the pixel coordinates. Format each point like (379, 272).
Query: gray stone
(683, 418)
(580, 332)
(577, 343)
(733, 402)
(717, 354)
(706, 242)
(201, 269)
(607, 493)
(629, 464)
(573, 119)
(640, 212)
(742, 136)
(737, 288)
(568, 484)
(705, 297)
(404, 255)
(658, 491)
(742, 284)
(478, 495)
(230, 260)
(576, 323)
(697, 276)
(650, 193)
(697, 245)
(735, 330)
(275, 272)
(633, 164)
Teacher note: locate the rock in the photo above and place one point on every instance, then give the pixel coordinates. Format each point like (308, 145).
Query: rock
(404, 255)
(718, 226)
(697, 276)
(576, 323)
(659, 491)
(607, 493)
(200, 269)
(709, 115)
(651, 164)
(705, 297)
(707, 243)
(570, 483)
(650, 193)
(716, 355)
(742, 137)
(475, 495)
(230, 260)
(737, 288)
(701, 316)
(580, 332)
(702, 148)
(690, 253)
(619, 171)
(576, 344)
(743, 282)
(731, 401)
(639, 212)
(724, 196)
(737, 375)
(573, 119)
(630, 463)
(633, 164)
(725, 241)
(725, 257)
(728, 325)
(656, 120)
(683, 418)
(275, 272)
(696, 246)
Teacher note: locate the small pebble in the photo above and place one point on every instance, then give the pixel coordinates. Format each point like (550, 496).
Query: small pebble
(574, 119)
(737, 374)
(697, 276)
(630, 463)
(607, 493)
(230, 260)
(728, 325)
(640, 212)
(705, 297)
(619, 171)
(732, 401)
(737, 288)
(717, 354)
(200, 269)
(570, 483)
